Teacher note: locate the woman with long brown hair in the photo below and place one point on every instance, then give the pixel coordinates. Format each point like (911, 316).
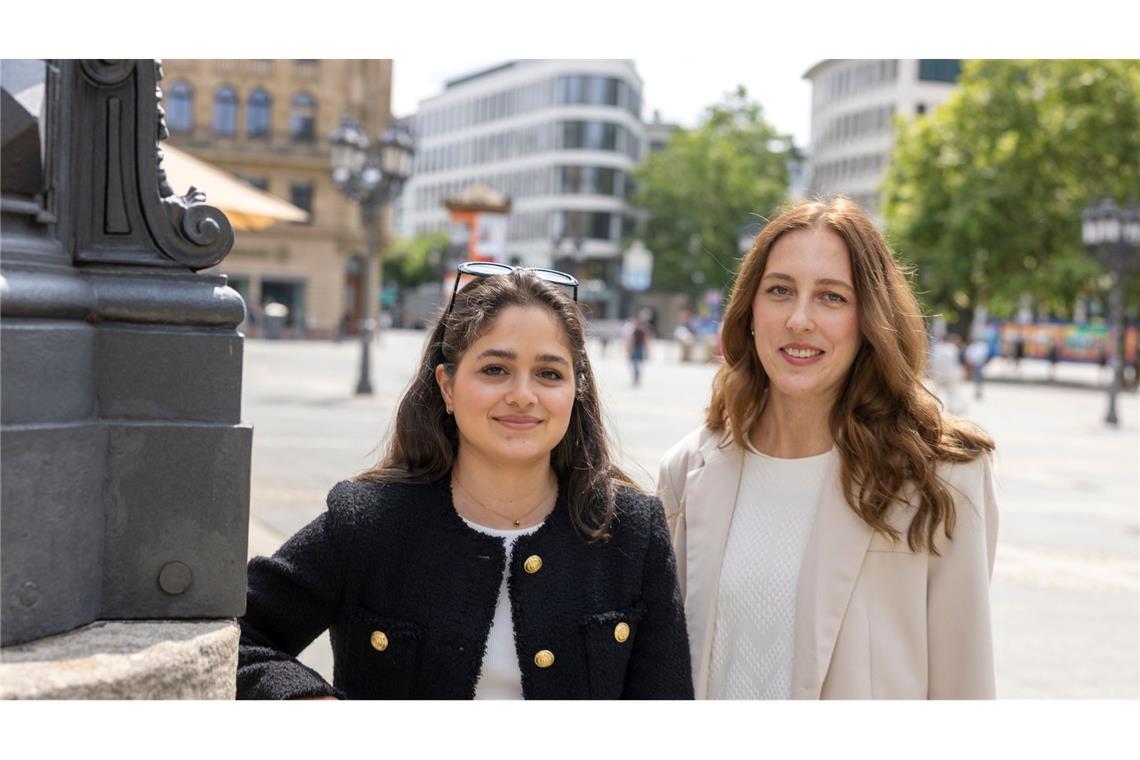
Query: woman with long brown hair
(495, 551)
(834, 530)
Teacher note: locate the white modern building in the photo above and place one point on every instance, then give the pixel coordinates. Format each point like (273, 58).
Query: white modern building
(853, 104)
(559, 138)
(657, 133)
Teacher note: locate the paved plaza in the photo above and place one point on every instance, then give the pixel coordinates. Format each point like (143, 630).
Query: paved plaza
(1066, 588)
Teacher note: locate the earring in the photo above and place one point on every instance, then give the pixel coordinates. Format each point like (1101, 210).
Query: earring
(752, 331)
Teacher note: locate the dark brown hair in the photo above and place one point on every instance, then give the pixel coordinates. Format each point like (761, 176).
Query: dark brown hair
(425, 442)
(889, 430)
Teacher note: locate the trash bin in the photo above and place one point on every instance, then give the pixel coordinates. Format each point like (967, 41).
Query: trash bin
(275, 315)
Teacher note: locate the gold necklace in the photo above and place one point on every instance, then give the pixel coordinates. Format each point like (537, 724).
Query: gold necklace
(517, 521)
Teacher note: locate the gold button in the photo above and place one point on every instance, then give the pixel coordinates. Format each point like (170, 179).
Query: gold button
(533, 564)
(544, 658)
(621, 632)
(379, 641)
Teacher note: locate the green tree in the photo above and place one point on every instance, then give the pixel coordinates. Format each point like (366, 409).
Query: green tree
(985, 194)
(412, 261)
(704, 186)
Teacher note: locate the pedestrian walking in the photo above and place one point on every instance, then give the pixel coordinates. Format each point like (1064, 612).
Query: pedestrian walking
(835, 532)
(685, 334)
(946, 370)
(636, 332)
(1018, 349)
(977, 356)
(496, 551)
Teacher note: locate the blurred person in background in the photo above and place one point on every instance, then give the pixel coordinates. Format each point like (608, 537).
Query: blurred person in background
(977, 356)
(495, 552)
(685, 334)
(946, 370)
(637, 333)
(835, 532)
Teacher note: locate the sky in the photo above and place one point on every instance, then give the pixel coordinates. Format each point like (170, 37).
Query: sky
(680, 88)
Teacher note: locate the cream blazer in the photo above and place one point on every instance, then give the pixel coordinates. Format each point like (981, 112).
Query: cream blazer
(873, 620)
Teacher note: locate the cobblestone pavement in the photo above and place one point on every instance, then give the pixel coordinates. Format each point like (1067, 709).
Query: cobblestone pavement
(1066, 588)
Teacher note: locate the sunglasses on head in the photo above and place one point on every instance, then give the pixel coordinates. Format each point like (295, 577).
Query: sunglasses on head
(492, 268)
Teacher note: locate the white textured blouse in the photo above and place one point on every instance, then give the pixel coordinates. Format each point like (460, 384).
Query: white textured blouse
(754, 634)
(500, 676)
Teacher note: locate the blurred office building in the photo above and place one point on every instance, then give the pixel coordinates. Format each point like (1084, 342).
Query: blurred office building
(559, 138)
(657, 133)
(853, 103)
(268, 122)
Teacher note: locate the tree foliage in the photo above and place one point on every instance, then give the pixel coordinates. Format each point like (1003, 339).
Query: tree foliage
(704, 186)
(412, 261)
(985, 194)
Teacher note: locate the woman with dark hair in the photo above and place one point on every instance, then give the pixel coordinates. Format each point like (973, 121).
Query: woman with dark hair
(835, 531)
(495, 551)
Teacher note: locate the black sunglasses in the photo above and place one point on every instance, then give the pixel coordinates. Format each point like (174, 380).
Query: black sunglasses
(492, 268)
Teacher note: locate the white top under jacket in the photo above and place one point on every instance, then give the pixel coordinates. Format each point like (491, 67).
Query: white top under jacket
(754, 634)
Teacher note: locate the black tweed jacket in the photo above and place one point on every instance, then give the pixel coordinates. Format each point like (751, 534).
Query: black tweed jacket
(407, 591)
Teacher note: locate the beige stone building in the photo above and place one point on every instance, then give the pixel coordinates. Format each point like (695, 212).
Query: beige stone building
(268, 122)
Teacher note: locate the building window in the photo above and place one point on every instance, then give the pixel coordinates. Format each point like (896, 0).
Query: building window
(572, 90)
(600, 226)
(591, 135)
(576, 225)
(257, 114)
(939, 70)
(571, 179)
(602, 91)
(301, 196)
(599, 91)
(591, 180)
(225, 111)
(291, 293)
(180, 108)
(303, 118)
(920, 108)
(261, 183)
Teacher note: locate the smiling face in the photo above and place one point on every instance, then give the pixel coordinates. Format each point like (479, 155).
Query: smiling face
(513, 389)
(805, 317)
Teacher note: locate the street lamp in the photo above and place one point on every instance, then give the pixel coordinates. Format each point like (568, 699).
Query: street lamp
(370, 175)
(1112, 235)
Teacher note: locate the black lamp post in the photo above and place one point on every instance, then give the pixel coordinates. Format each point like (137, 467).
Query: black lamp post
(371, 175)
(1112, 235)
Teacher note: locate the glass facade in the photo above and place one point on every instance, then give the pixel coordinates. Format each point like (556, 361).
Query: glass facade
(536, 138)
(590, 180)
(583, 225)
(593, 135)
(577, 154)
(851, 80)
(582, 89)
(939, 69)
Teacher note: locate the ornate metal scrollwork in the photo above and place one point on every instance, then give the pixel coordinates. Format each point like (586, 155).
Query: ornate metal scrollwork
(204, 234)
(106, 72)
(117, 155)
(199, 225)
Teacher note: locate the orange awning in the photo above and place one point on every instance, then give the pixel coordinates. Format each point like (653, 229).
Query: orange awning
(247, 208)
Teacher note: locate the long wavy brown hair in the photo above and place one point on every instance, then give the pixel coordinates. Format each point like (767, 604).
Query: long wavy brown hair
(889, 430)
(425, 441)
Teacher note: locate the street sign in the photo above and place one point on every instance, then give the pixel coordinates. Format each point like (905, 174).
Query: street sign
(637, 267)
